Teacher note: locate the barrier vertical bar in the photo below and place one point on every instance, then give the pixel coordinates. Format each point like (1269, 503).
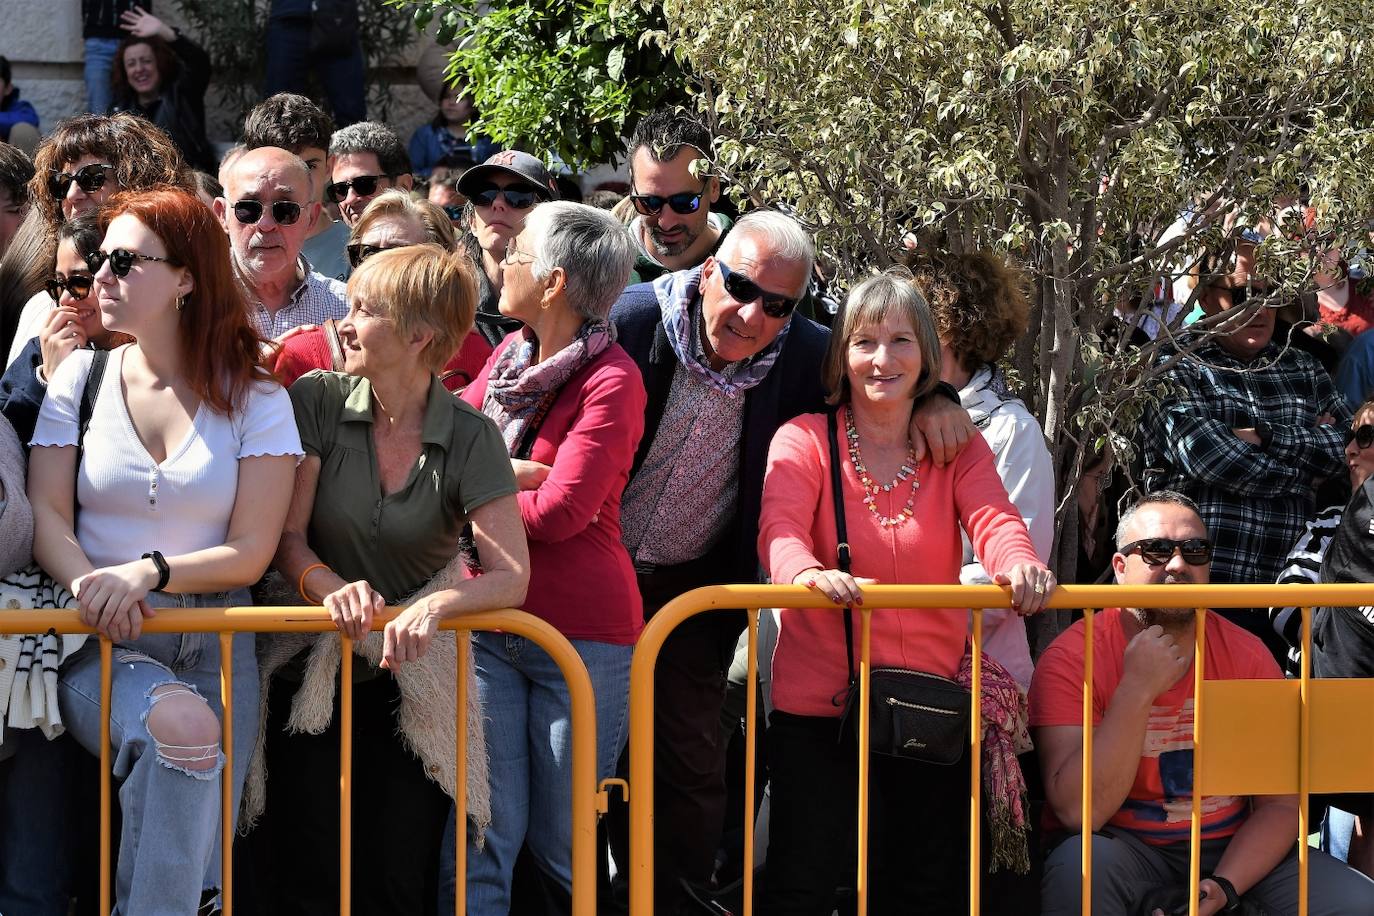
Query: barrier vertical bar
(345, 775)
(751, 683)
(865, 647)
(975, 817)
(463, 643)
(1304, 757)
(1086, 803)
(106, 763)
(1195, 827)
(228, 815)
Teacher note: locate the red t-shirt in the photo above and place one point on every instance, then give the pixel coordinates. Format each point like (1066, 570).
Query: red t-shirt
(1158, 809)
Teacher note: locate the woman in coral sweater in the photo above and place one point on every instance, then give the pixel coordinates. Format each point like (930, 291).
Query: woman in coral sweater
(903, 519)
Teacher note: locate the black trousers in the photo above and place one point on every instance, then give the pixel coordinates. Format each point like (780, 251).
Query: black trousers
(289, 864)
(918, 826)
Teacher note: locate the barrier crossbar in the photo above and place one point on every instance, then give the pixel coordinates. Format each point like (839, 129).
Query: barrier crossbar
(914, 598)
(230, 621)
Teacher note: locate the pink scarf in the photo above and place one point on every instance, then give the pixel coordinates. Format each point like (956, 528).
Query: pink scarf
(1005, 734)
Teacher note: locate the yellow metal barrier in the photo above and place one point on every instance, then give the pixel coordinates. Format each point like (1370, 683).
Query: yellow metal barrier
(1239, 766)
(228, 621)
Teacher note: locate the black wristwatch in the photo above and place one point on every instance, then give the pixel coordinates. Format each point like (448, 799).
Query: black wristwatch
(1229, 889)
(164, 572)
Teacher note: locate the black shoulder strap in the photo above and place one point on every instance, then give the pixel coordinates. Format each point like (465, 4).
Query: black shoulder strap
(841, 530)
(86, 410)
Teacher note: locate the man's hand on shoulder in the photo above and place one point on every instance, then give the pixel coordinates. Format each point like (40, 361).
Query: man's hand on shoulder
(941, 426)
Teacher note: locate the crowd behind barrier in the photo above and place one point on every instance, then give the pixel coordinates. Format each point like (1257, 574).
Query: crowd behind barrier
(410, 383)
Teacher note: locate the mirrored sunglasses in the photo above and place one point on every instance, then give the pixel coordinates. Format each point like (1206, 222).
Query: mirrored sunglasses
(683, 203)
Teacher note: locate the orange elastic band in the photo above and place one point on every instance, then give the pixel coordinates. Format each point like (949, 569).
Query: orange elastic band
(300, 586)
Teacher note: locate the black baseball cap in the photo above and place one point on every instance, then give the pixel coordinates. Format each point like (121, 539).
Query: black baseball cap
(511, 163)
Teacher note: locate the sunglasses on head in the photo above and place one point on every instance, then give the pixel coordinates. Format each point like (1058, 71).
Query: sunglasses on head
(362, 185)
(684, 203)
(518, 197)
(1362, 436)
(1158, 551)
(79, 285)
(284, 212)
(89, 178)
(358, 252)
(744, 290)
(121, 260)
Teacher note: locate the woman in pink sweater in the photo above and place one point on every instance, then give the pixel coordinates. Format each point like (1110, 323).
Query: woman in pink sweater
(903, 518)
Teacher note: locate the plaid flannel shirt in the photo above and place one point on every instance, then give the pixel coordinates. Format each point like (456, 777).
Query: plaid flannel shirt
(1255, 501)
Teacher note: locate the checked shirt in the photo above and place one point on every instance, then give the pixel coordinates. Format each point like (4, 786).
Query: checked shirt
(1255, 501)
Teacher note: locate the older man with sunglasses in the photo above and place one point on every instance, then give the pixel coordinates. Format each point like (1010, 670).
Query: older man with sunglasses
(267, 210)
(725, 363)
(1142, 743)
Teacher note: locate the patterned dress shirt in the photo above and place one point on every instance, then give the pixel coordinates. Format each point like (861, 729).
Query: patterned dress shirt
(315, 300)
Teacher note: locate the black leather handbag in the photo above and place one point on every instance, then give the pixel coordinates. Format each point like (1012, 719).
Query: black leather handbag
(911, 714)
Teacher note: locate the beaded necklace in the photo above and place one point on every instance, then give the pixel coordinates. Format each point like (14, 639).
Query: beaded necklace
(871, 489)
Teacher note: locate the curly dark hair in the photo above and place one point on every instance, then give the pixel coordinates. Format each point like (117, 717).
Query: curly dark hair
(168, 66)
(980, 302)
(288, 121)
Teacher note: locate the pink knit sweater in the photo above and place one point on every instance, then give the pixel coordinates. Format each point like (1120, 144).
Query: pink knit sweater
(797, 532)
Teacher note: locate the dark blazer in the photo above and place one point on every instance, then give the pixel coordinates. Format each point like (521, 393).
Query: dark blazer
(21, 393)
(791, 388)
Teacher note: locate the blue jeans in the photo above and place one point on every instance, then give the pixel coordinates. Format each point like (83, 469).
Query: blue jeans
(170, 842)
(289, 61)
(528, 721)
(100, 59)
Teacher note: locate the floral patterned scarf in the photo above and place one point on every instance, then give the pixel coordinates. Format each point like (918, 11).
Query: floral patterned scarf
(1005, 734)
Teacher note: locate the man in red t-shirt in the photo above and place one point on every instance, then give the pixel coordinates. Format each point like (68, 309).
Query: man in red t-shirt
(1143, 749)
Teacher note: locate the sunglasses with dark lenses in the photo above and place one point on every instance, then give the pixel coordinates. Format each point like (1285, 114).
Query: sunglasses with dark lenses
(744, 290)
(455, 213)
(682, 204)
(358, 252)
(362, 185)
(121, 260)
(249, 212)
(79, 285)
(517, 197)
(1362, 436)
(89, 178)
(1158, 551)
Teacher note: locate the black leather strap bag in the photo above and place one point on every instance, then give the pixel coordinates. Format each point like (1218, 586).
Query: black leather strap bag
(912, 714)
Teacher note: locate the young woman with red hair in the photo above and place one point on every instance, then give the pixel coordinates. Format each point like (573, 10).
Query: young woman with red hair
(174, 496)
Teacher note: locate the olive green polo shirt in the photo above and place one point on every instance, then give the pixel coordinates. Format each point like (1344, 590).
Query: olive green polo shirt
(399, 541)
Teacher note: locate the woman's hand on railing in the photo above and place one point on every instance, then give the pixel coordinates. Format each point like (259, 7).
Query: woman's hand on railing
(839, 587)
(111, 598)
(351, 608)
(1030, 584)
(409, 635)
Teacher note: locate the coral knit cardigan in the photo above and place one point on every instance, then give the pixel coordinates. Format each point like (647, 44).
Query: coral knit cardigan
(797, 532)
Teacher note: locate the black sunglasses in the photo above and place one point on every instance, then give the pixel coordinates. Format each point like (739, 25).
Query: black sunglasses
(362, 185)
(518, 197)
(89, 178)
(79, 285)
(1363, 436)
(455, 212)
(684, 203)
(1158, 551)
(744, 290)
(249, 212)
(121, 260)
(358, 252)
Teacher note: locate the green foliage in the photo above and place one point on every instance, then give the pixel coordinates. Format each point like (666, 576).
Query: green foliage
(570, 79)
(234, 33)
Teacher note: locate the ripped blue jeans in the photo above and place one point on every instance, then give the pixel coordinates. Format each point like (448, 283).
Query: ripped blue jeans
(169, 852)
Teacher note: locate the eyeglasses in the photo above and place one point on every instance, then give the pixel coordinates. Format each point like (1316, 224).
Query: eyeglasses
(1362, 436)
(684, 203)
(518, 197)
(358, 252)
(1158, 551)
(79, 285)
(89, 178)
(744, 290)
(513, 254)
(121, 260)
(362, 185)
(249, 212)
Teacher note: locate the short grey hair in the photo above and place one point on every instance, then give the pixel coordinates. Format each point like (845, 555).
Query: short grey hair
(376, 138)
(1158, 497)
(780, 232)
(590, 245)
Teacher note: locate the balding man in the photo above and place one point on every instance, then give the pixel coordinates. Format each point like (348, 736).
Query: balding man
(267, 209)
